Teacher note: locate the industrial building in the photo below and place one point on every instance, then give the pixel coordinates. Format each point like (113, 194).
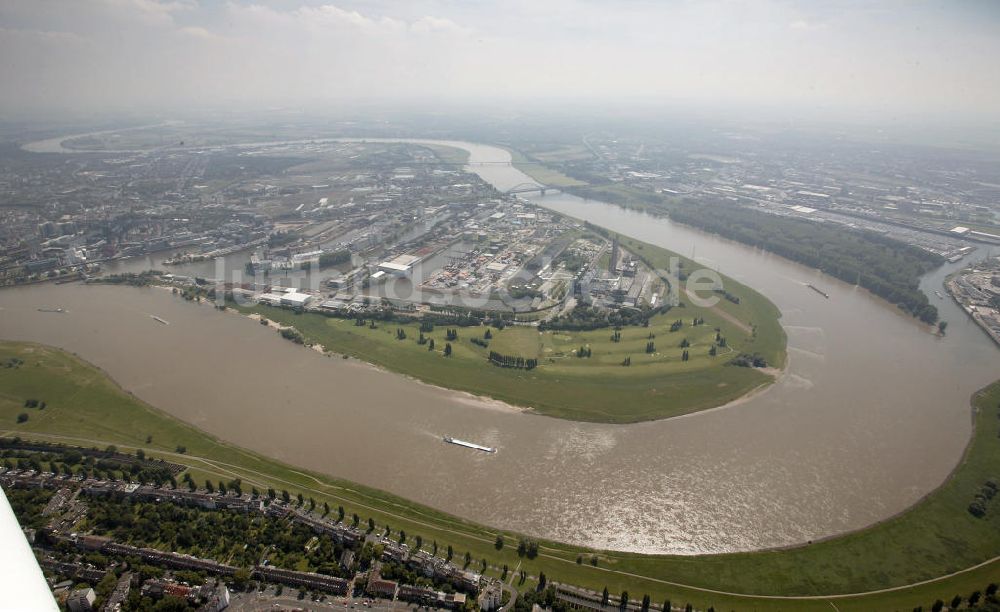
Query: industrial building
(400, 266)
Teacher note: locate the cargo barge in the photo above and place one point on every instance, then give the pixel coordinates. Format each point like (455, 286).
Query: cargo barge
(485, 449)
(819, 291)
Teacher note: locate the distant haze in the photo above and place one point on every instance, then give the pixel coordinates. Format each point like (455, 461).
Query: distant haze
(888, 58)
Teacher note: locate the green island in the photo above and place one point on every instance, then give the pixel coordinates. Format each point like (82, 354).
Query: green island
(932, 544)
(577, 365)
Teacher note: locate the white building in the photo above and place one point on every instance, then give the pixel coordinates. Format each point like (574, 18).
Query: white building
(295, 299)
(400, 266)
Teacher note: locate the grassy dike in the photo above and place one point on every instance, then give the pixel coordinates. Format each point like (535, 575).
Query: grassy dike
(935, 538)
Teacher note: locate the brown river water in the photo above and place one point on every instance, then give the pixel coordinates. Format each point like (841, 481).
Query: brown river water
(871, 414)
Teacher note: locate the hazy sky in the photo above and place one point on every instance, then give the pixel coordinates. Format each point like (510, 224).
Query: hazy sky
(880, 57)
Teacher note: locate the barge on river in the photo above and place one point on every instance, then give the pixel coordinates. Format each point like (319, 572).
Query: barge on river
(485, 449)
(819, 291)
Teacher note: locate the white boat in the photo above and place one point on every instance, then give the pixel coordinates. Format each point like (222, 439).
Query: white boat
(159, 320)
(472, 445)
(938, 293)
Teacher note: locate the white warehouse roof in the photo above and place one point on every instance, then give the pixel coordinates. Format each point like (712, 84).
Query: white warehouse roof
(296, 299)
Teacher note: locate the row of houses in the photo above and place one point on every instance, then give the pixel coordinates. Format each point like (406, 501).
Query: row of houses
(423, 596)
(338, 532)
(173, 560)
(440, 569)
(211, 501)
(308, 580)
(349, 536)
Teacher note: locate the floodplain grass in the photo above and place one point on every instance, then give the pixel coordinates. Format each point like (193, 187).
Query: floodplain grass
(543, 174)
(564, 153)
(935, 538)
(449, 155)
(516, 341)
(655, 385)
(754, 309)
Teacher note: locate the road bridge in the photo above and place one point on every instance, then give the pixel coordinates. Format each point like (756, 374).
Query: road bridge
(527, 188)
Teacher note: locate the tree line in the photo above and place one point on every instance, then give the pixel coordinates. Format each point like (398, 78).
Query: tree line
(511, 361)
(887, 267)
